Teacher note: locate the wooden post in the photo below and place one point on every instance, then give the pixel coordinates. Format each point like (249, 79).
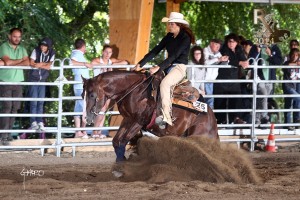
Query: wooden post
(130, 27)
(129, 33)
(172, 6)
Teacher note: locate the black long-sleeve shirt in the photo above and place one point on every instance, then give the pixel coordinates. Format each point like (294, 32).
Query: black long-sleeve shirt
(178, 50)
(234, 59)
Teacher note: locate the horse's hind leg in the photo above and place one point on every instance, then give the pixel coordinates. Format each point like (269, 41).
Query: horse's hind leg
(127, 131)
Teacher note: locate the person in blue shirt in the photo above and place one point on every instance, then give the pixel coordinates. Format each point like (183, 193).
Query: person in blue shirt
(78, 59)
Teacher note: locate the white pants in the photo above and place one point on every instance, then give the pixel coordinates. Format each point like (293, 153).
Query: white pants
(173, 77)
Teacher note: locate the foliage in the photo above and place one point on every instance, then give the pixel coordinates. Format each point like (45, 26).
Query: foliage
(64, 21)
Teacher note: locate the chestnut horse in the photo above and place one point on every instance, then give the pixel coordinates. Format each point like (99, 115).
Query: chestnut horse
(130, 90)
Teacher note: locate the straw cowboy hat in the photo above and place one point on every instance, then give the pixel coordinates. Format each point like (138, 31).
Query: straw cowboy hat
(175, 17)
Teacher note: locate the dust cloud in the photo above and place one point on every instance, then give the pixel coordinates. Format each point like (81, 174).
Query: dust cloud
(187, 159)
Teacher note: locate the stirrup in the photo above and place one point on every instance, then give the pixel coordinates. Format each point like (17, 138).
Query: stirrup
(159, 121)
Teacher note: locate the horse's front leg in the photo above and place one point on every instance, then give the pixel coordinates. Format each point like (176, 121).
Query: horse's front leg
(128, 129)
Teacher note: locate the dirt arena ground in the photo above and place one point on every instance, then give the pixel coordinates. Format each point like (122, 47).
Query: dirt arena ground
(89, 176)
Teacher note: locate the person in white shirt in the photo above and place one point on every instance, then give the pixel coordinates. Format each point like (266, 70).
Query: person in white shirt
(212, 56)
(105, 59)
(197, 58)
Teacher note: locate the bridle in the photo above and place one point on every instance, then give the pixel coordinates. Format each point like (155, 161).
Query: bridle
(127, 93)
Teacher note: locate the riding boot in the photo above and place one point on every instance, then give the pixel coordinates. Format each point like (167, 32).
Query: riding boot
(167, 117)
(120, 153)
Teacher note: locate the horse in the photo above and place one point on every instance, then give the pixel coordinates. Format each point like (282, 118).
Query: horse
(130, 90)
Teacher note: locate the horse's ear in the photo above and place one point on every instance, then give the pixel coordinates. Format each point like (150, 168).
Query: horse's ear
(83, 79)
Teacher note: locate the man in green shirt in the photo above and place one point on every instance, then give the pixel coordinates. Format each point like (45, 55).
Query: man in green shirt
(12, 54)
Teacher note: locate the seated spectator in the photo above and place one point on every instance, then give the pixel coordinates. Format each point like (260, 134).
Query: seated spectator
(78, 59)
(41, 60)
(290, 88)
(104, 59)
(12, 53)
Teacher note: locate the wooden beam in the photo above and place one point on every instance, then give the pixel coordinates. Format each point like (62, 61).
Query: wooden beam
(172, 6)
(129, 33)
(129, 27)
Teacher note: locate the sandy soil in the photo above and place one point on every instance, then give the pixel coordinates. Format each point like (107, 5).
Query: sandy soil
(89, 176)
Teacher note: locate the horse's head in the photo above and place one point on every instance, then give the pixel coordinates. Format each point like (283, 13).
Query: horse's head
(94, 96)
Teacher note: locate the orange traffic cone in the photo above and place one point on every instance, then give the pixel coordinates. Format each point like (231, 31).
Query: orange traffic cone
(270, 147)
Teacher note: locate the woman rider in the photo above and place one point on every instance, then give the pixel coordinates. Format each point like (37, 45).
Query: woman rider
(177, 43)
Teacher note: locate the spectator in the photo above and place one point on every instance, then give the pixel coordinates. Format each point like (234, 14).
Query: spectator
(78, 59)
(105, 59)
(293, 44)
(197, 58)
(41, 60)
(290, 88)
(271, 56)
(246, 88)
(12, 53)
(247, 45)
(177, 43)
(212, 56)
(237, 59)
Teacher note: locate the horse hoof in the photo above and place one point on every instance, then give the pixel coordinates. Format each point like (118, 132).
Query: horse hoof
(118, 174)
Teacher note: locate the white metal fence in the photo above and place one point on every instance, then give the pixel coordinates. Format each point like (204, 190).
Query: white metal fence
(251, 130)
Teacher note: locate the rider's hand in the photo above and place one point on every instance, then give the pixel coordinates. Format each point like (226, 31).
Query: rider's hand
(154, 69)
(137, 68)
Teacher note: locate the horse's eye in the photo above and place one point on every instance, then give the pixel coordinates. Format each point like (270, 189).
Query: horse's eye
(92, 95)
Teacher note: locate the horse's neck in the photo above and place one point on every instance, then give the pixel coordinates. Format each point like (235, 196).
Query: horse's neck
(123, 84)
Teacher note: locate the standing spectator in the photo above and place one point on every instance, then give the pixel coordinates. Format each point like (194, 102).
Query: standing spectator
(78, 59)
(212, 56)
(12, 54)
(246, 88)
(247, 45)
(293, 44)
(290, 88)
(41, 60)
(104, 59)
(237, 59)
(197, 58)
(271, 56)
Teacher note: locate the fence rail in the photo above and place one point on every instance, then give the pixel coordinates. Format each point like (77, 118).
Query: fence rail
(250, 130)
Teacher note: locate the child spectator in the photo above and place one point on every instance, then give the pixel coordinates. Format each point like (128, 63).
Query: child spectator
(41, 60)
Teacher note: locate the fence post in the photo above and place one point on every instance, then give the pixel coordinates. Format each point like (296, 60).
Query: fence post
(60, 110)
(254, 91)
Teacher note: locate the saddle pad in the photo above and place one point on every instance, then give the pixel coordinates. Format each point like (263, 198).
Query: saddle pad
(197, 106)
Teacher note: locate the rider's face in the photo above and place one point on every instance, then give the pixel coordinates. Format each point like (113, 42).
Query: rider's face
(173, 28)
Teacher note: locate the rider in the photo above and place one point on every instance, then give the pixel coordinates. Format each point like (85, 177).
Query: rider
(177, 43)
